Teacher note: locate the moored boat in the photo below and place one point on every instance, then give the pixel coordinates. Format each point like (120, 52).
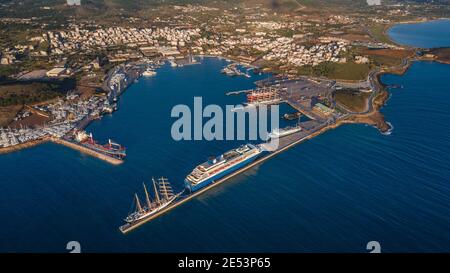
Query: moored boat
(110, 149)
(163, 197)
(277, 132)
(218, 167)
(149, 73)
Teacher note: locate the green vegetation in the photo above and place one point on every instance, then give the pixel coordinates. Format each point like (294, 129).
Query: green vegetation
(353, 100)
(385, 57)
(341, 71)
(386, 61)
(378, 32)
(8, 113)
(19, 93)
(7, 70)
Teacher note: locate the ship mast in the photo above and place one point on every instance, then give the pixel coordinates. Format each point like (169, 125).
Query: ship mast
(147, 197)
(156, 191)
(138, 204)
(165, 188)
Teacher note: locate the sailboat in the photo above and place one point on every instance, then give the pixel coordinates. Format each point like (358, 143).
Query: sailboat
(163, 197)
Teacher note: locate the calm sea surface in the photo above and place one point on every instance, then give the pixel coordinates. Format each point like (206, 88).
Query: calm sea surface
(335, 192)
(425, 35)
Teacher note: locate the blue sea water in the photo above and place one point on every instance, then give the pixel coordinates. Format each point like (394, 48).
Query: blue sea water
(335, 192)
(425, 35)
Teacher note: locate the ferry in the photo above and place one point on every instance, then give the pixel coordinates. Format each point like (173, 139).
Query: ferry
(110, 149)
(277, 132)
(216, 168)
(163, 197)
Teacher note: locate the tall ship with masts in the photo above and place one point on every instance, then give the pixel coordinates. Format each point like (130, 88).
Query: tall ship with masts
(162, 197)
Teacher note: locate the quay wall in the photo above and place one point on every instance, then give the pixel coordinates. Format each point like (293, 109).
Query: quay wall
(85, 150)
(21, 146)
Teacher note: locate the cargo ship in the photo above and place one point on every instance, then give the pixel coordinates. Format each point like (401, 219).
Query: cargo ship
(111, 149)
(264, 96)
(163, 197)
(218, 167)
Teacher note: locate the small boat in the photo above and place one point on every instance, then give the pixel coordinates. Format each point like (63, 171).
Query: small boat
(173, 63)
(292, 116)
(149, 72)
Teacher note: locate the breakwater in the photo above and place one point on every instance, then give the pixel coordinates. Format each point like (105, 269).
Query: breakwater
(88, 151)
(21, 146)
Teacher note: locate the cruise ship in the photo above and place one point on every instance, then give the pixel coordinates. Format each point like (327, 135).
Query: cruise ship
(214, 169)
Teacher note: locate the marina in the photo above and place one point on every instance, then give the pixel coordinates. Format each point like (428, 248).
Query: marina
(233, 70)
(69, 118)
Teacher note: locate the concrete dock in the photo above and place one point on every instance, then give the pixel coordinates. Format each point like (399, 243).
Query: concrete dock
(109, 159)
(231, 93)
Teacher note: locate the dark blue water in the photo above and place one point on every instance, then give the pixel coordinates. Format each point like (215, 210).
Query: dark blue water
(333, 193)
(425, 35)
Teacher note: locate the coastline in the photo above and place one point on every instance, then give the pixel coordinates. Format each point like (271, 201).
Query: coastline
(63, 142)
(409, 22)
(372, 117)
(21, 146)
(87, 151)
(114, 161)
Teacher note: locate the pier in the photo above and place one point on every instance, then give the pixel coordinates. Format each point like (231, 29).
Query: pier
(109, 159)
(285, 144)
(231, 93)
